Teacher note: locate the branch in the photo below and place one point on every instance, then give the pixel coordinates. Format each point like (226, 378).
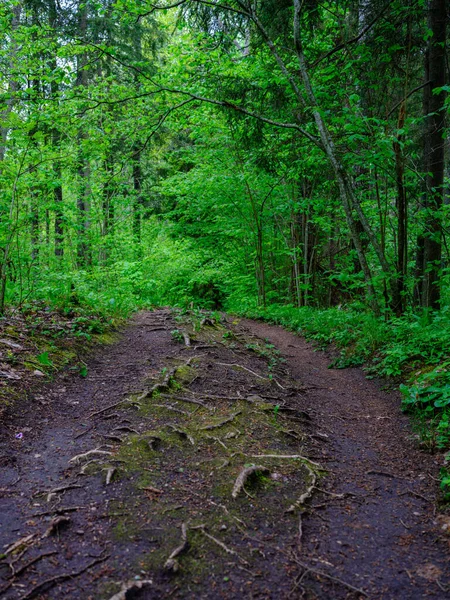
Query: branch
(224, 103)
(247, 112)
(155, 7)
(355, 39)
(416, 89)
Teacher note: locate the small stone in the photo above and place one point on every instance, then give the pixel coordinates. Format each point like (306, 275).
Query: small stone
(79, 532)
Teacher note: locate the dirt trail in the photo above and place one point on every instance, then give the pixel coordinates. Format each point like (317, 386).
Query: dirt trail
(341, 505)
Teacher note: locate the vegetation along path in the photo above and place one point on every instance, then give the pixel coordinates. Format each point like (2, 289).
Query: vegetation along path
(204, 458)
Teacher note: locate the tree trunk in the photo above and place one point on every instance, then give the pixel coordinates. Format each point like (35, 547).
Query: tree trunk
(84, 258)
(435, 158)
(56, 141)
(137, 199)
(349, 202)
(398, 300)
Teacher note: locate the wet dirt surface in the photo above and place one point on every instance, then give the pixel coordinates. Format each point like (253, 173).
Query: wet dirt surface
(383, 537)
(173, 427)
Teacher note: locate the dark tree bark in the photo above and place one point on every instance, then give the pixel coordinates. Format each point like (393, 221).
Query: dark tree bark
(398, 299)
(429, 270)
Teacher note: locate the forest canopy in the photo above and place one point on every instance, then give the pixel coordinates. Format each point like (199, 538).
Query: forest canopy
(230, 154)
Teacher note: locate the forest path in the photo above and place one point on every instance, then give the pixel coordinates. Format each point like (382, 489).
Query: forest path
(342, 505)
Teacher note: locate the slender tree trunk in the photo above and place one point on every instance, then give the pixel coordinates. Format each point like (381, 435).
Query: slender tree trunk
(435, 159)
(137, 199)
(56, 142)
(398, 300)
(349, 202)
(13, 85)
(84, 257)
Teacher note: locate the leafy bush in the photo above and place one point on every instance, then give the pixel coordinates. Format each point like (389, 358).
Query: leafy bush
(428, 400)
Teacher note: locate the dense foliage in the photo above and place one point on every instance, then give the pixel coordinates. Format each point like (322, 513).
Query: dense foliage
(258, 156)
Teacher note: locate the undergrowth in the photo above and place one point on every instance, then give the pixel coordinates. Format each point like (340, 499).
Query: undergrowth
(413, 350)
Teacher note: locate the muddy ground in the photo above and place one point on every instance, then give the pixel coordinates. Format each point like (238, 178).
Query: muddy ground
(216, 459)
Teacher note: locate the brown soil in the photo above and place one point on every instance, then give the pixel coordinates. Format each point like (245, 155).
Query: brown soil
(342, 506)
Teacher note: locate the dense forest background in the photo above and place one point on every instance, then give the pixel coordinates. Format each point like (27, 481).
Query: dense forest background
(278, 158)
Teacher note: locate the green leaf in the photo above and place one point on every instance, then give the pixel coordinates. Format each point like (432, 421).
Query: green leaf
(44, 359)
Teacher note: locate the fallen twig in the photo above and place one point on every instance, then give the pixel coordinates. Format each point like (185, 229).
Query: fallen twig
(171, 563)
(244, 475)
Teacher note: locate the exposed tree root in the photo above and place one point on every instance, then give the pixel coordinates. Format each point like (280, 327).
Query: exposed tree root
(164, 385)
(110, 474)
(244, 475)
(125, 429)
(244, 369)
(218, 440)
(24, 542)
(56, 525)
(222, 423)
(186, 338)
(132, 586)
(228, 550)
(171, 563)
(301, 414)
(287, 457)
(331, 578)
(80, 457)
(188, 400)
(103, 410)
(47, 584)
(154, 442)
(59, 511)
(172, 408)
(113, 438)
(301, 501)
(58, 490)
(183, 434)
(31, 562)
